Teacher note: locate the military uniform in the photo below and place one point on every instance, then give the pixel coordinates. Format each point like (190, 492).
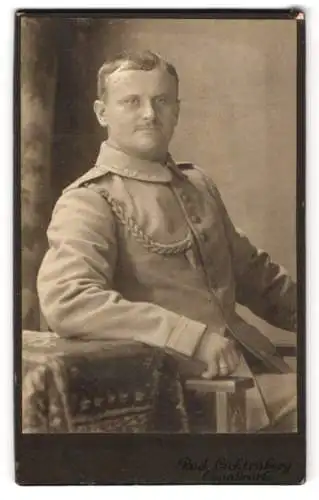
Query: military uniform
(147, 251)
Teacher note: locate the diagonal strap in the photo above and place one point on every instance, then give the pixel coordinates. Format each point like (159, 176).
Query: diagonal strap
(257, 344)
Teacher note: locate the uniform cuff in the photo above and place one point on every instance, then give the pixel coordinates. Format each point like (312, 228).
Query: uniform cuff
(186, 336)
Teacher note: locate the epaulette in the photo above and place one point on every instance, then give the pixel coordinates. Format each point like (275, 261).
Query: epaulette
(89, 176)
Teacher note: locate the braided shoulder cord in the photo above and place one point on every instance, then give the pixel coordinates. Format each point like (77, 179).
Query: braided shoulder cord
(136, 230)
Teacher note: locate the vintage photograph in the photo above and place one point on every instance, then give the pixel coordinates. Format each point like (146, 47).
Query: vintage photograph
(158, 167)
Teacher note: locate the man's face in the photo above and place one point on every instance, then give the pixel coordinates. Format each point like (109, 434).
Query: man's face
(140, 111)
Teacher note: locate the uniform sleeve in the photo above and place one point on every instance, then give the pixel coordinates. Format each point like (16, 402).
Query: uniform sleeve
(262, 285)
(75, 282)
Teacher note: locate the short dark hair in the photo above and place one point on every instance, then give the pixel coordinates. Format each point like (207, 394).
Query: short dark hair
(145, 60)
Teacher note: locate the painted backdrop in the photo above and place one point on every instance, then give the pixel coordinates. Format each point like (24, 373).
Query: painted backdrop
(238, 119)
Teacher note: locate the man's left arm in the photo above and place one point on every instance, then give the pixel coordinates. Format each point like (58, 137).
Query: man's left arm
(262, 285)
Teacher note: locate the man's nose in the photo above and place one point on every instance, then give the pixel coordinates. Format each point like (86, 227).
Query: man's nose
(148, 110)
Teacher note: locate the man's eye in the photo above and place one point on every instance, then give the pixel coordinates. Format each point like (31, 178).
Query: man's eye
(132, 101)
(162, 100)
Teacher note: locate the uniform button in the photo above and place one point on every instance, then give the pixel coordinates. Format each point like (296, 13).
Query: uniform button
(203, 237)
(196, 219)
(184, 197)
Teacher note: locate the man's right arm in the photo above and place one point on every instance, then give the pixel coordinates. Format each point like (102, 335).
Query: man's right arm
(75, 282)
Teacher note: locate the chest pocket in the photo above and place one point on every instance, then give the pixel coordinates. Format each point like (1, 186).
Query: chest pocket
(137, 232)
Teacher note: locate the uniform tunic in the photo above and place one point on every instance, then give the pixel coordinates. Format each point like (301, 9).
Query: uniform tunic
(146, 251)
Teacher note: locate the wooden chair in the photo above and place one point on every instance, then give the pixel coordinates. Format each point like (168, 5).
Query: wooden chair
(227, 396)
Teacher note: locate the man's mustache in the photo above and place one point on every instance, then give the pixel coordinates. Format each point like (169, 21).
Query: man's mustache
(150, 126)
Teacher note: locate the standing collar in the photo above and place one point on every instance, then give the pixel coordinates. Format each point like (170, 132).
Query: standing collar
(118, 162)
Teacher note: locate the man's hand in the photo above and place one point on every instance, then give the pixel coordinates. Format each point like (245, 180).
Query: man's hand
(219, 354)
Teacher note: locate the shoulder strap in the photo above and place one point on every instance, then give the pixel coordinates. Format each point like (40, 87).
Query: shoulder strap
(91, 175)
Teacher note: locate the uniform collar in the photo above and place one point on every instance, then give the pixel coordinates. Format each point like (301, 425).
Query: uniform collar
(118, 162)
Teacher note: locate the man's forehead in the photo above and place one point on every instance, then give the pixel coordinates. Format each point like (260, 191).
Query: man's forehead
(129, 78)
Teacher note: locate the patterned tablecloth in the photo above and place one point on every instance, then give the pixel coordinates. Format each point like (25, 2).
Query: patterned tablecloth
(71, 386)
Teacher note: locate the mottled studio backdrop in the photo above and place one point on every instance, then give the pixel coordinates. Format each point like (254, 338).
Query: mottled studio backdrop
(238, 119)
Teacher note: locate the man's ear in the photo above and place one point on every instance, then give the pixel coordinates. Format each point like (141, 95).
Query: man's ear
(177, 111)
(100, 111)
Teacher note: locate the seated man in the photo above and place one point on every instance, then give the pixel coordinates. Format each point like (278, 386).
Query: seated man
(142, 248)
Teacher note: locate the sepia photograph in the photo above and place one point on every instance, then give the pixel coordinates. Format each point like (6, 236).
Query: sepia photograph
(161, 286)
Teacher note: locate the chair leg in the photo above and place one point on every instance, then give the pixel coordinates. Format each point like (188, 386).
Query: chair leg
(228, 401)
(230, 412)
(222, 425)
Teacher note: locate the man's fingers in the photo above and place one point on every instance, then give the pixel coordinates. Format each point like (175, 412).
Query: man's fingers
(232, 356)
(235, 359)
(232, 359)
(224, 364)
(212, 370)
(228, 360)
(235, 355)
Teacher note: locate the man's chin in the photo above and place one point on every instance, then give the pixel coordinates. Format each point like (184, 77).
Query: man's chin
(152, 152)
